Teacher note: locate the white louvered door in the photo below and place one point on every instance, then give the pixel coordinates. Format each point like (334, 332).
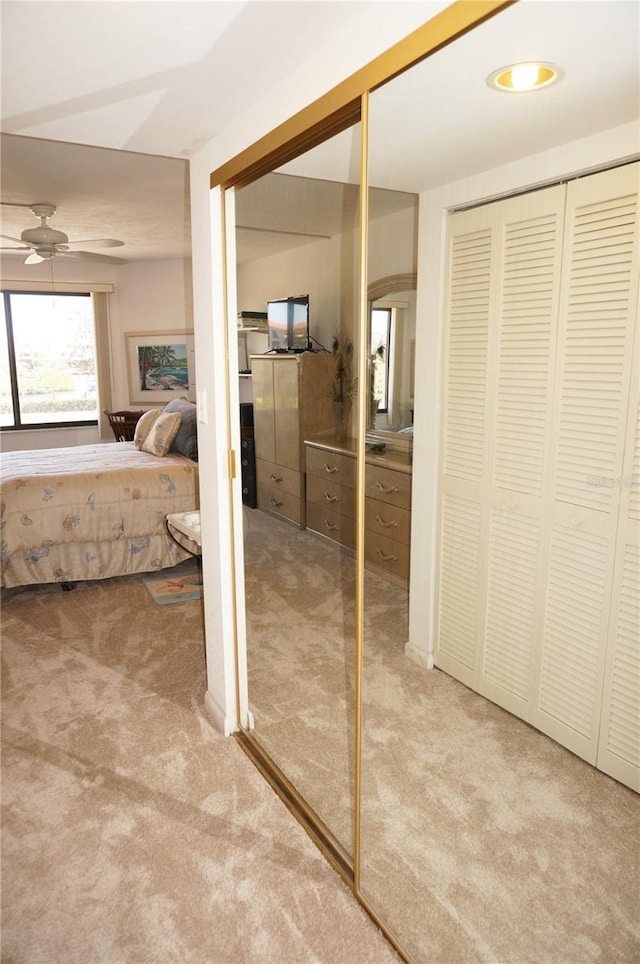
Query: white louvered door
(595, 347)
(619, 745)
(538, 557)
(529, 252)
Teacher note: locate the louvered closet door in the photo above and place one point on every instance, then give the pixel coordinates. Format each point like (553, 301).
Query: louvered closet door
(529, 252)
(598, 311)
(471, 305)
(501, 329)
(538, 554)
(619, 746)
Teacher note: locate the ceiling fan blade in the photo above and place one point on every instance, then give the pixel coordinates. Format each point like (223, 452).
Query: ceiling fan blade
(89, 256)
(7, 237)
(98, 243)
(14, 249)
(33, 259)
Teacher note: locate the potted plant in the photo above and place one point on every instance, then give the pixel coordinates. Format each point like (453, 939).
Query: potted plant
(344, 385)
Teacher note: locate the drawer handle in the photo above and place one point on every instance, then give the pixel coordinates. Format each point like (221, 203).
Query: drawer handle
(276, 503)
(386, 558)
(330, 526)
(575, 520)
(331, 470)
(331, 498)
(276, 478)
(387, 489)
(386, 525)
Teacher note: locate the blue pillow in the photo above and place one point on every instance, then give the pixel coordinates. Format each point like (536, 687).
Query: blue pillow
(186, 441)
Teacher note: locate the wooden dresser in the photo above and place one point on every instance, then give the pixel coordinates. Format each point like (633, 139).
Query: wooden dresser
(290, 401)
(331, 501)
(331, 493)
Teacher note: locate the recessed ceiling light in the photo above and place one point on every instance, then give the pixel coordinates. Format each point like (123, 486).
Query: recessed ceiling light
(521, 78)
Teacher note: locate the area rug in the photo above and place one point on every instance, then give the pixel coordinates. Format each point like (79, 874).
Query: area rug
(175, 586)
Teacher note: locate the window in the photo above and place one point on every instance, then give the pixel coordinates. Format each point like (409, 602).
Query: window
(380, 352)
(47, 360)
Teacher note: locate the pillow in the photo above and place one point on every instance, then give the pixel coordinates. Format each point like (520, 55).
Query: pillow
(163, 431)
(144, 426)
(186, 441)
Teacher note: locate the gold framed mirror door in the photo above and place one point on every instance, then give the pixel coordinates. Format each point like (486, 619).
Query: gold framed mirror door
(514, 341)
(297, 236)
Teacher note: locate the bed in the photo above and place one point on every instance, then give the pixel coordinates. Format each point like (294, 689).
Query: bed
(91, 512)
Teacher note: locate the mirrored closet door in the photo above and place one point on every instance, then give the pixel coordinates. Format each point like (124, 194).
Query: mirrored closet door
(463, 794)
(297, 238)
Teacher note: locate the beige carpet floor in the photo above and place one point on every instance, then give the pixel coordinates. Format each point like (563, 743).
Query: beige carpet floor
(133, 833)
(481, 838)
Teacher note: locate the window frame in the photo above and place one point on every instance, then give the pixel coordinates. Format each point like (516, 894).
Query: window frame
(18, 425)
(383, 407)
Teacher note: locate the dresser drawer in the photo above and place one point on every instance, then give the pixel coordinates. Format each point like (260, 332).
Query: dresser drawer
(281, 503)
(387, 554)
(388, 520)
(329, 523)
(279, 477)
(327, 493)
(387, 485)
(331, 465)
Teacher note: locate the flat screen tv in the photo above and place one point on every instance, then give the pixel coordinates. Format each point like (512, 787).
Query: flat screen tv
(288, 324)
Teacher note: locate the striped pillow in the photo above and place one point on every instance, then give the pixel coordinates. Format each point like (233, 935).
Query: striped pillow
(144, 426)
(163, 431)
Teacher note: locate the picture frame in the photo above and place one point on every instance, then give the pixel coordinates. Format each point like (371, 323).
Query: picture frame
(160, 366)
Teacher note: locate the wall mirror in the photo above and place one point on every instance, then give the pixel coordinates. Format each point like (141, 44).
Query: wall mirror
(468, 812)
(392, 334)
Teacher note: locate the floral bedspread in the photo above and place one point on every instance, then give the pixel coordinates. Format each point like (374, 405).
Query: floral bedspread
(90, 511)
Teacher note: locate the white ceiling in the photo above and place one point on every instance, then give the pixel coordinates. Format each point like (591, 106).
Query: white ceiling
(135, 198)
(439, 122)
(120, 82)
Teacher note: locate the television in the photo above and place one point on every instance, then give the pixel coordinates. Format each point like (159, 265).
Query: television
(288, 324)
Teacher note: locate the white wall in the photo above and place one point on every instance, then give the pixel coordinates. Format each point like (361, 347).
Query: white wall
(147, 296)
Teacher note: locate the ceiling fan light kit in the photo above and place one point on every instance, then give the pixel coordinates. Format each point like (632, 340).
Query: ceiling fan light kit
(46, 242)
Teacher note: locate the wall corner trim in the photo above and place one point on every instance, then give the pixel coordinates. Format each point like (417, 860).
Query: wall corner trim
(418, 656)
(222, 722)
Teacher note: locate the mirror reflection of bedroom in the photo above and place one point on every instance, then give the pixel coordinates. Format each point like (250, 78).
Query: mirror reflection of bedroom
(298, 584)
(474, 732)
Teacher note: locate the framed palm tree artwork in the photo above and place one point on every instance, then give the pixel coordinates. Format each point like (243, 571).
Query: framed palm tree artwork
(160, 366)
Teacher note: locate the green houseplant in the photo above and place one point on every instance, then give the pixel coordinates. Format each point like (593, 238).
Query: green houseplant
(344, 385)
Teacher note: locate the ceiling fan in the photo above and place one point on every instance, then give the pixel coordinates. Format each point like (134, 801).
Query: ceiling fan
(45, 242)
